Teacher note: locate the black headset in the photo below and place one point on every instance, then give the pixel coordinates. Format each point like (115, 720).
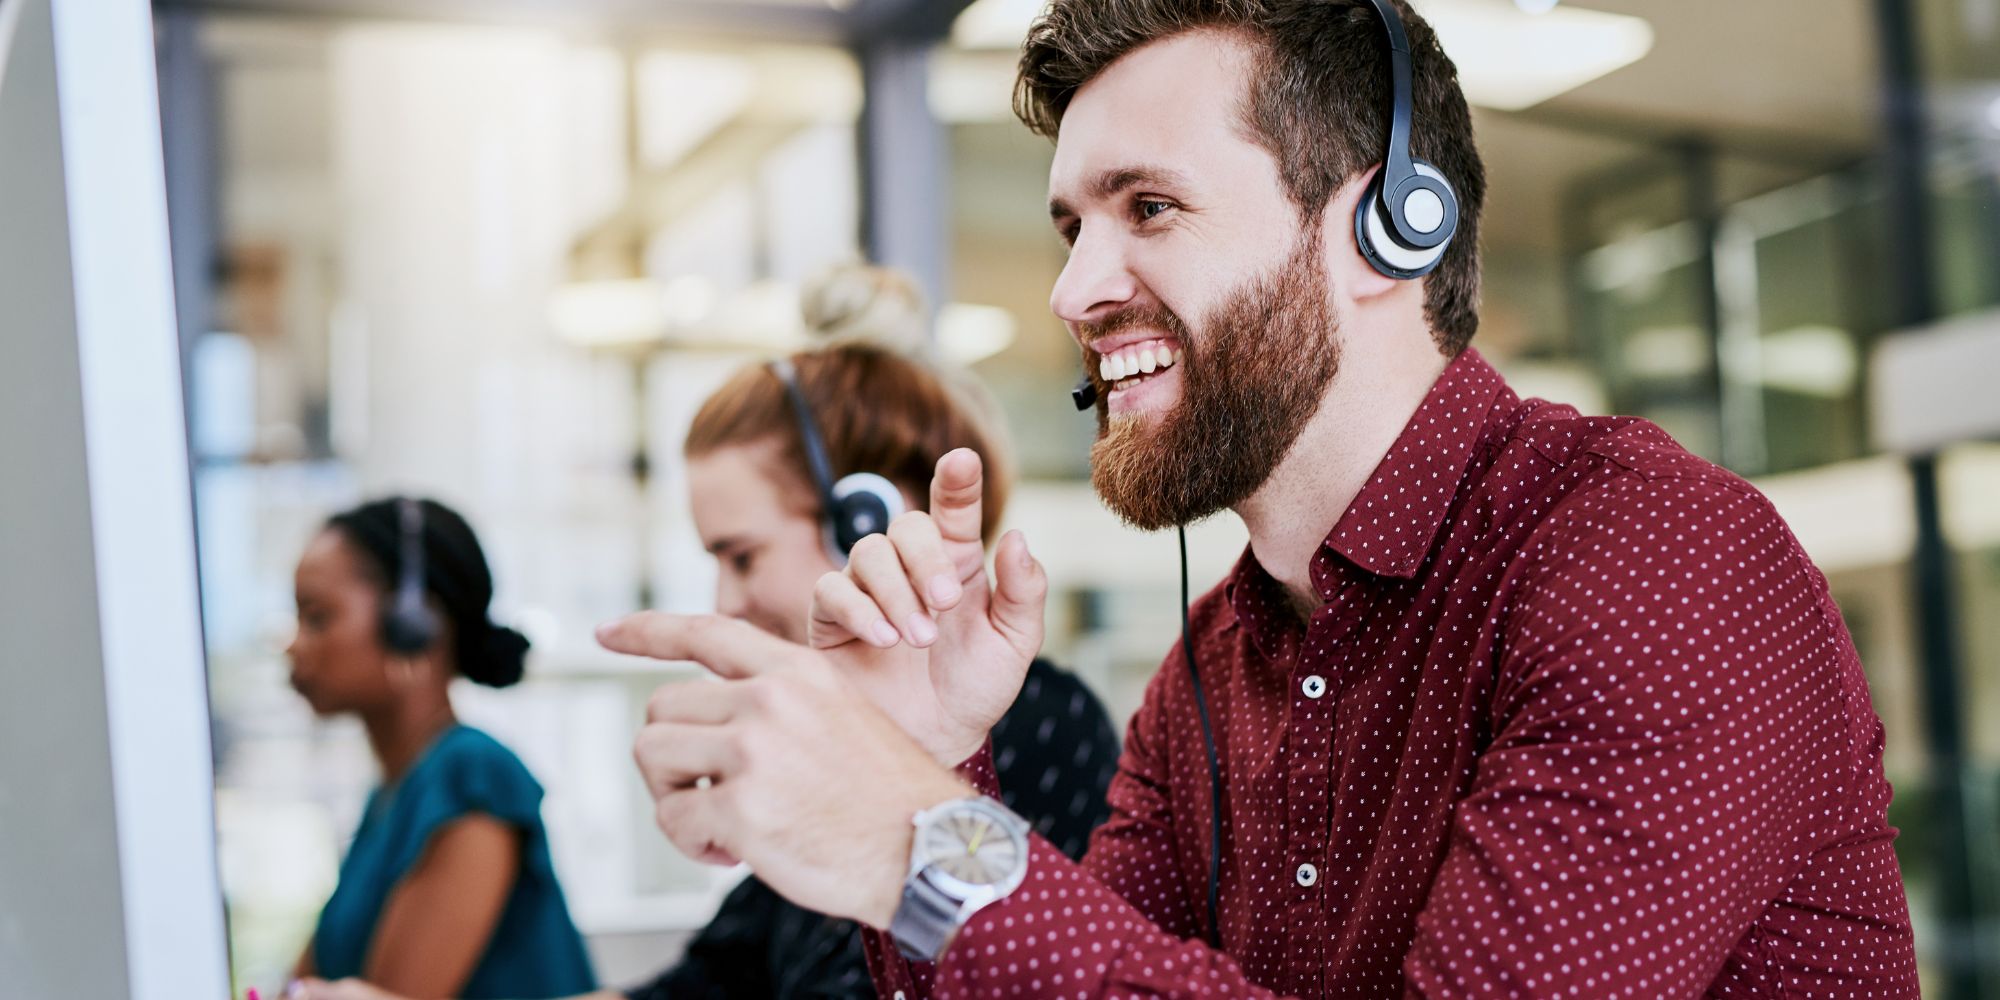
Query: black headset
(1405, 221)
(856, 505)
(409, 626)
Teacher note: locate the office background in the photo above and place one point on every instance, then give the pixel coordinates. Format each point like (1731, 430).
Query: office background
(497, 252)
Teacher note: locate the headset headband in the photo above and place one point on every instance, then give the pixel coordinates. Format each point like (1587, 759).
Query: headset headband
(410, 516)
(1396, 164)
(816, 463)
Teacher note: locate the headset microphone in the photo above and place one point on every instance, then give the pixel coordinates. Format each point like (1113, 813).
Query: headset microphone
(1084, 395)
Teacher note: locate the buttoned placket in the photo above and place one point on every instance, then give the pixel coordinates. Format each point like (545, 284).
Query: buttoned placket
(1316, 672)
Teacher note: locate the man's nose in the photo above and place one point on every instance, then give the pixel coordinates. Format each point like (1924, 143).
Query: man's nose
(1094, 284)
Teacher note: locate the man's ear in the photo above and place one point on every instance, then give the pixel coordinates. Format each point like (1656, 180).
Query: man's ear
(1350, 274)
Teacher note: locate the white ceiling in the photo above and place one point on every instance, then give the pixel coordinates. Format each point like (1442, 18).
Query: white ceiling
(1785, 85)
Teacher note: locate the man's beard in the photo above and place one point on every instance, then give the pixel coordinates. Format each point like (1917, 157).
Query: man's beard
(1254, 373)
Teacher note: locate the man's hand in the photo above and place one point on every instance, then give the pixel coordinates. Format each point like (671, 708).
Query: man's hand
(784, 765)
(923, 587)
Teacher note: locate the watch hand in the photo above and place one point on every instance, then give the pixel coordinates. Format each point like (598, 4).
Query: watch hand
(973, 847)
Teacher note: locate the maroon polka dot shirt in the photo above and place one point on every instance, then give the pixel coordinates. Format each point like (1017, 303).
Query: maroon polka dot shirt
(1576, 717)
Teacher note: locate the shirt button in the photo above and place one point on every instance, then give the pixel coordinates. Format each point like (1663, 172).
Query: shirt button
(1308, 875)
(1313, 686)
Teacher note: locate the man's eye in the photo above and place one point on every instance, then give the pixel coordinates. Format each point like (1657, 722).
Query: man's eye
(740, 562)
(1150, 208)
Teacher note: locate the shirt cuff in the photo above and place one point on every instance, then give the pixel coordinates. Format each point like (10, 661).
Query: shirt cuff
(981, 960)
(978, 770)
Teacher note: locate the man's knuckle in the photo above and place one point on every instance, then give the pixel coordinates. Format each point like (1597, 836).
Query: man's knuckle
(739, 747)
(759, 694)
(656, 703)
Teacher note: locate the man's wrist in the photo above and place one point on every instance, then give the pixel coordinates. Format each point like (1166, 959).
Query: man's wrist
(957, 756)
(880, 909)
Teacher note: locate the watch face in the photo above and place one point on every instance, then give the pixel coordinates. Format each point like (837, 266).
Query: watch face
(972, 846)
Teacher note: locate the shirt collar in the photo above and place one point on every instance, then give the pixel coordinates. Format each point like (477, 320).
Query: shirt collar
(1390, 525)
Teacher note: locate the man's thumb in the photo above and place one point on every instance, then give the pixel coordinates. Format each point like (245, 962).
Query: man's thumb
(1019, 589)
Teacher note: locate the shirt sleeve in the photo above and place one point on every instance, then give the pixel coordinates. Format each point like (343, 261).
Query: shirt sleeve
(1116, 924)
(471, 775)
(1675, 731)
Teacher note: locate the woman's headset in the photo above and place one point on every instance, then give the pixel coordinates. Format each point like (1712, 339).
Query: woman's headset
(1406, 219)
(853, 507)
(409, 626)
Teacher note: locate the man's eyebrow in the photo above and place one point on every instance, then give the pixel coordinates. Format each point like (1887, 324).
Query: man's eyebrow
(1112, 182)
(724, 544)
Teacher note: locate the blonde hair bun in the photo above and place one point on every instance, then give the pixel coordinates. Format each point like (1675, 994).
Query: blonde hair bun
(869, 304)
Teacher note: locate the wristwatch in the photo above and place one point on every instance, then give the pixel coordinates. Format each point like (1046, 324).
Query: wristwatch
(967, 854)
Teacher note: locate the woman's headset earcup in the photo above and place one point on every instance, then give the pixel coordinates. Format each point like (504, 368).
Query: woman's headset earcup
(1376, 237)
(863, 504)
(410, 627)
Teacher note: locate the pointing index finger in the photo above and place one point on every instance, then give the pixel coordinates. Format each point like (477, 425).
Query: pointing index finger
(729, 648)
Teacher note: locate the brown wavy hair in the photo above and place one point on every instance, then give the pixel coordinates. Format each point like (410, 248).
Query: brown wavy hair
(875, 410)
(1319, 102)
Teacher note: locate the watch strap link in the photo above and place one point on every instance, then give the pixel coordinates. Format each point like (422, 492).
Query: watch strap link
(926, 920)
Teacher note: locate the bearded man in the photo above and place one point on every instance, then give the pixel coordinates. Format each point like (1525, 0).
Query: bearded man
(1500, 699)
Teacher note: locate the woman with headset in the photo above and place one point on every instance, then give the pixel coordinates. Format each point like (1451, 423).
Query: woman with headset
(447, 888)
(788, 465)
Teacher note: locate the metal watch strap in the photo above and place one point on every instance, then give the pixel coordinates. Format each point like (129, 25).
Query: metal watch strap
(925, 921)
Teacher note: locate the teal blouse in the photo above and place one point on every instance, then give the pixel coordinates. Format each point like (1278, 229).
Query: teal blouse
(535, 951)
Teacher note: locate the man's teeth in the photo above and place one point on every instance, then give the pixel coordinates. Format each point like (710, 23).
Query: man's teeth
(1136, 360)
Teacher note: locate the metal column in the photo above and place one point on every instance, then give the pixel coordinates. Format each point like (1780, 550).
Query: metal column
(1912, 258)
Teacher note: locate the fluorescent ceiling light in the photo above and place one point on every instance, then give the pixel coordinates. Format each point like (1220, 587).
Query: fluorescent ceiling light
(995, 24)
(972, 87)
(688, 311)
(968, 333)
(1509, 59)
(1667, 352)
(1810, 360)
(610, 314)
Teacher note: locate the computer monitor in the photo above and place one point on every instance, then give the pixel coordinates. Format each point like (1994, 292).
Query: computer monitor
(108, 882)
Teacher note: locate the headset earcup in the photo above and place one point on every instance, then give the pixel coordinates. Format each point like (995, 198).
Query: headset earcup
(863, 504)
(1377, 241)
(409, 627)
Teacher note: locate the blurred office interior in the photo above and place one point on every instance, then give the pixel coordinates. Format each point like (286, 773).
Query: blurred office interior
(498, 251)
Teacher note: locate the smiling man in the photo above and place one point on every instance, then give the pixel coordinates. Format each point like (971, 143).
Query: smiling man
(1500, 700)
